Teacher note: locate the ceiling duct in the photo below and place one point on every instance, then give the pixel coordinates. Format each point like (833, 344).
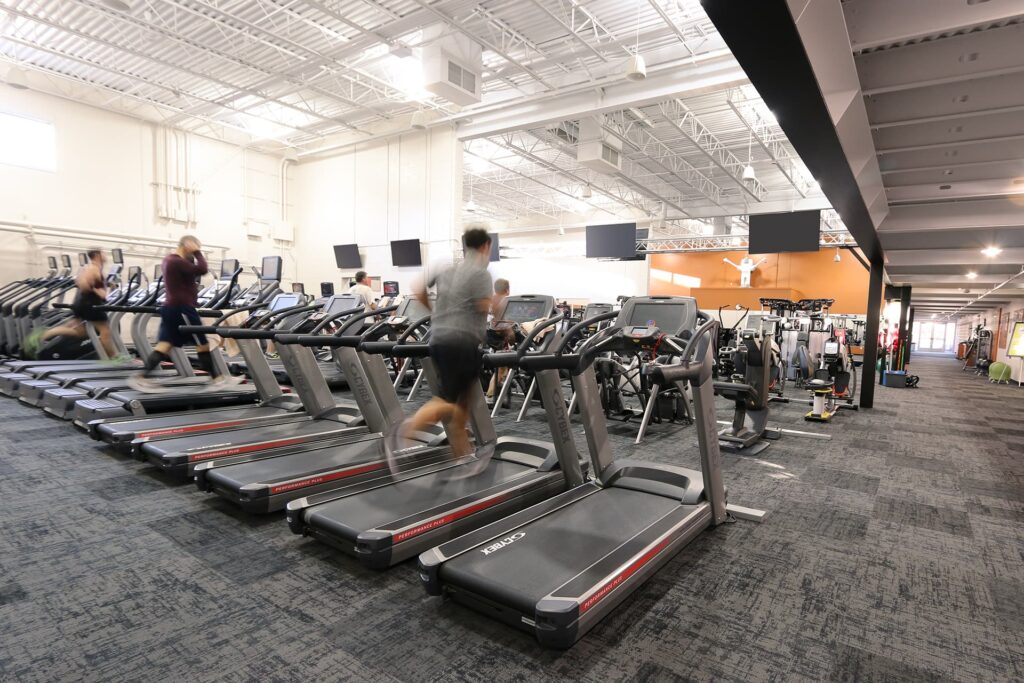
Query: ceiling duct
(597, 150)
(452, 66)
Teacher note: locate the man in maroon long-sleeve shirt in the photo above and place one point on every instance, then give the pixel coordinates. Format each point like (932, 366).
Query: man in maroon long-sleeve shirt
(180, 268)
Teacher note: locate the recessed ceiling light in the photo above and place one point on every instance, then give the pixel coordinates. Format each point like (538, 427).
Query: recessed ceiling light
(991, 252)
(971, 275)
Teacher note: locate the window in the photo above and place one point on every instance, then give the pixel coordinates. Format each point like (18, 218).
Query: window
(28, 143)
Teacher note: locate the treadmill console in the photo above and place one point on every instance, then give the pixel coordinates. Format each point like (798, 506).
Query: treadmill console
(642, 335)
(831, 349)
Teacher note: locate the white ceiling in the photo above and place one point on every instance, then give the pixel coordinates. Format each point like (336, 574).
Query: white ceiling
(298, 74)
(943, 82)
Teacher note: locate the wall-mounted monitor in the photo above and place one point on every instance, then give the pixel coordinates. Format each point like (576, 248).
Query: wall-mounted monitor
(347, 256)
(617, 240)
(117, 256)
(271, 269)
(228, 267)
(406, 253)
(641, 253)
(495, 250)
(774, 233)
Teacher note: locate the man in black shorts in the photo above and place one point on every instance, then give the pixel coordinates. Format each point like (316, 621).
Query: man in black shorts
(457, 327)
(92, 293)
(180, 268)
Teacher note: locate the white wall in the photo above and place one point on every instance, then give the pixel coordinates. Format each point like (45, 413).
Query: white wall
(403, 188)
(104, 182)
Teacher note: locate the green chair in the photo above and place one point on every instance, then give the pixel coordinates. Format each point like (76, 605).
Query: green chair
(999, 373)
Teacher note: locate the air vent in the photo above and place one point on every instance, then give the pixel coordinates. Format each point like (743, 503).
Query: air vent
(451, 65)
(945, 187)
(610, 154)
(462, 78)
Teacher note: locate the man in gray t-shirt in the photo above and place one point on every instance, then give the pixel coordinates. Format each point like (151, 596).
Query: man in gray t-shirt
(457, 328)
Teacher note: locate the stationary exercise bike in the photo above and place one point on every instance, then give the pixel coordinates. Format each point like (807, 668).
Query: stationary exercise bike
(834, 383)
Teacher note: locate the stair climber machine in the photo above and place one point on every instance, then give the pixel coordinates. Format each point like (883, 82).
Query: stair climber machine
(557, 568)
(323, 420)
(192, 430)
(388, 520)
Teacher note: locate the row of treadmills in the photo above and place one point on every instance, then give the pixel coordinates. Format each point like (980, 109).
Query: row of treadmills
(540, 538)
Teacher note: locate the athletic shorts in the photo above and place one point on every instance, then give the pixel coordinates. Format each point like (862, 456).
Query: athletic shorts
(84, 307)
(173, 317)
(458, 366)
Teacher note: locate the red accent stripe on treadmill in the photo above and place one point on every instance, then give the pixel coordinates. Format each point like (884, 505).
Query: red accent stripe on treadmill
(236, 450)
(188, 429)
(448, 519)
(616, 580)
(323, 478)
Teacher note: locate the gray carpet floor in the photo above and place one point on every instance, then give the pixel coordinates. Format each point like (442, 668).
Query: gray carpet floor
(893, 552)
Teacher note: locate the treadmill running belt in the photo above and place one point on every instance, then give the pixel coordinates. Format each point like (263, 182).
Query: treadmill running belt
(556, 547)
(376, 509)
(311, 462)
(191, 421)
(303, 429)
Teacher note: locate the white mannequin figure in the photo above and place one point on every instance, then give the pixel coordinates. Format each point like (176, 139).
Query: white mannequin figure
(746, 267)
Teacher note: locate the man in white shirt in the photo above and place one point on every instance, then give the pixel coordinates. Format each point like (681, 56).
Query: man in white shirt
(363, 291)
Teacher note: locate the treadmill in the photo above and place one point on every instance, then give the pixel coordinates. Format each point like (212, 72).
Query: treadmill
(557, 568)
(264, 481)
(60, 401)
(115, 399)
(324, 419)
(128, 433)
(392, 519)
(31, 390)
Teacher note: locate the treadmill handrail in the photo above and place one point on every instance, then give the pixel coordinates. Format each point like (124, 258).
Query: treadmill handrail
(412, 328)
(337, 316)
(576, 329)
(353, 319)
(273, 317)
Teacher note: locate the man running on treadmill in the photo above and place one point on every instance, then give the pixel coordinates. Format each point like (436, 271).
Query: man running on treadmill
(92, 293)
(180, 268)
(457, 328)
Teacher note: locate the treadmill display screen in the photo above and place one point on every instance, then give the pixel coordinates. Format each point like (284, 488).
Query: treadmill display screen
(413, 310)
(337, 304)
(52, 260)
(228, 267)
(666, 317)
(271, 269)
(831, 349)
(283, 301)
(524, 311)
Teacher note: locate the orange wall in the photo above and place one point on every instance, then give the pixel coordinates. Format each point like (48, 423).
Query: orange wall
(813, 275)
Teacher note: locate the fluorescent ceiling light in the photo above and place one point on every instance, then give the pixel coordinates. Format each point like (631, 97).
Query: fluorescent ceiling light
(991, 252)
(971, 275)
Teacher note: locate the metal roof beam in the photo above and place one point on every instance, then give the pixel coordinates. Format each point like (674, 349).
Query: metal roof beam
(877, 23)
(686, 123)
(949, 60)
